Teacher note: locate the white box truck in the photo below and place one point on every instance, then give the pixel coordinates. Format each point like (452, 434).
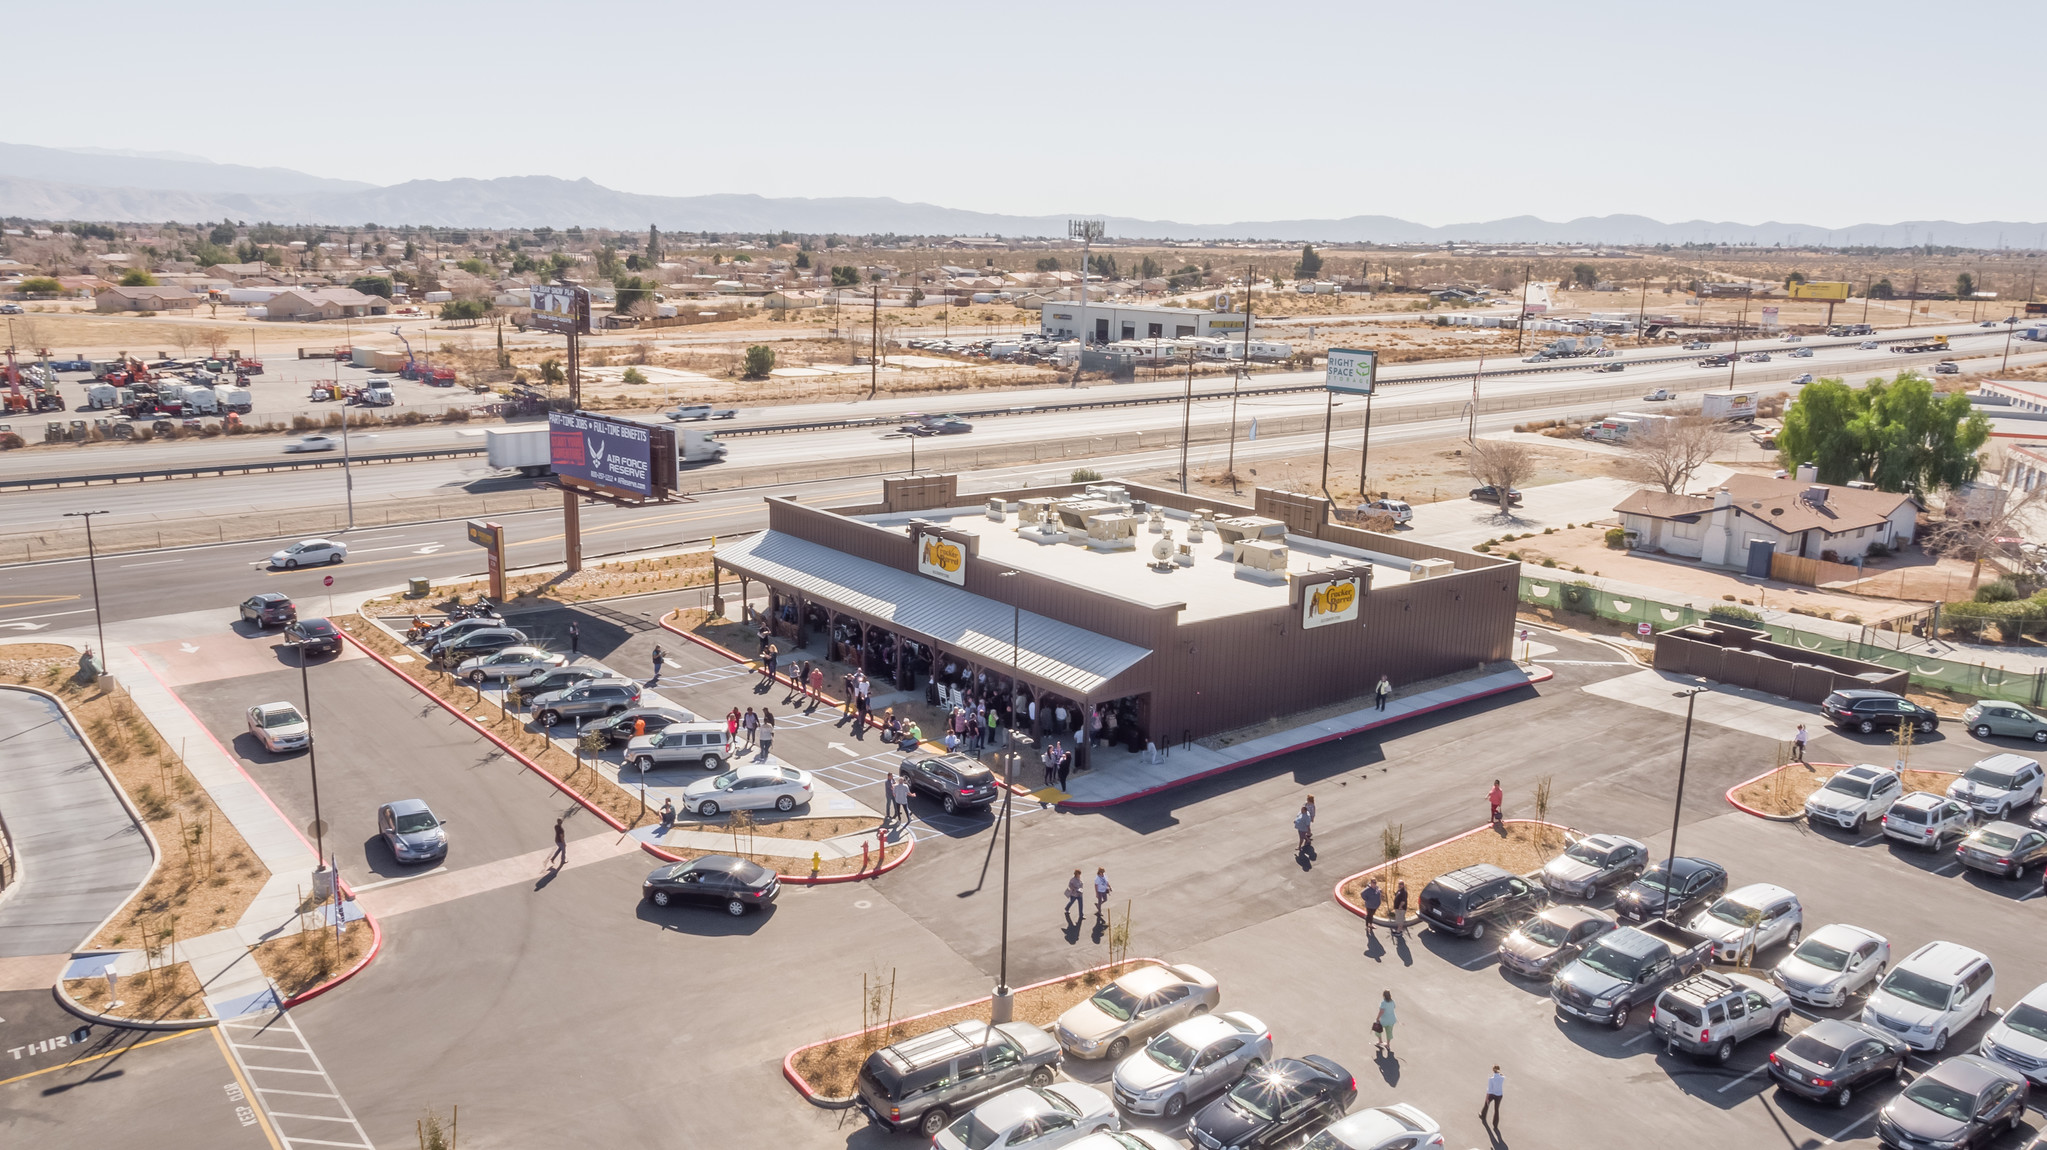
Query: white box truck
(233, 398)
(524, 448)
(694, 446)
(1733, 406)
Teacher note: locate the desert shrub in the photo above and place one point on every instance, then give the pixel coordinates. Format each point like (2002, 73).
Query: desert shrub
(1997, 591)
(1617, 538)
(1736, 615)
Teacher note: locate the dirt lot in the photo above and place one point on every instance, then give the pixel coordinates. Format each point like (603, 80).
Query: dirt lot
(1421, 472)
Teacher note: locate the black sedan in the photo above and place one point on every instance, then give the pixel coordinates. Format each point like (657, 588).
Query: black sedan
(1274, 1104)
(313, 636)
(716, 880)
(1966, 1101)
(2005, 849)
(618, 729)
(1832, 1059)
(1491, 494)
(1685, 890)
(956, 781)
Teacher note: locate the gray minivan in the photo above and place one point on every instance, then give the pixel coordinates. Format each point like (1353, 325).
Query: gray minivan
(921, 1083)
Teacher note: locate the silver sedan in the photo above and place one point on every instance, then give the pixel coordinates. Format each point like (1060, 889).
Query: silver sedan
(510, 663)
(1134, 1007)
(1190, 1061)
(753, 788)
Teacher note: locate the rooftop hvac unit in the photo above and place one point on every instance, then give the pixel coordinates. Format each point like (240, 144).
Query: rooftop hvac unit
(1429, 569)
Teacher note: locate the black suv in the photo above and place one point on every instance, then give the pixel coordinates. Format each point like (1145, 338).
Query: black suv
(921, 1083)
(313, 636)
(269, 609)
(1693, 884)
(956, 781)
(1466, 901)
(482, 641)
(1868, 710)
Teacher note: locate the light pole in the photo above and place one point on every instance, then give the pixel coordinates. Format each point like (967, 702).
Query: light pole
(1002, 1007)
(313, 767)
(1690, 695)
(347, 475)
(1087, 232)
(92, 564)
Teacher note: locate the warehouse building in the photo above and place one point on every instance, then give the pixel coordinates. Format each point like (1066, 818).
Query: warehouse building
(1109, 322)
(1167, 616)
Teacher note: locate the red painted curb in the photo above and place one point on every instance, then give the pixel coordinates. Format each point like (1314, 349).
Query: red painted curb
(1765, 815)
(1355, 909)
(1097, 804)
(376, 945)
(810, 1095)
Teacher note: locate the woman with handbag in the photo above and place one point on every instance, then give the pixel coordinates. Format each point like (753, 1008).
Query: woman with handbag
(1382, 1026)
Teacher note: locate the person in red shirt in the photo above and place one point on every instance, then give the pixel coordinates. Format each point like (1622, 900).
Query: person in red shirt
(1496, 796)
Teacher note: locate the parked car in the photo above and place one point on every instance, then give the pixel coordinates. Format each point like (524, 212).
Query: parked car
(1708, 1013)
(590, 697)
(269, 609)
(481, 641)
(1552, 940)
(511, 663)
(280, 727)
(2003, 848)
(956, 781)
(2019, 1039)
(1967, 1100)
(1135, 1006)
(1191, 1060)
(1867, 711)
(307, 552)
(1625, 968)
(1750, 920)
(2008, 720)
(1397, 508)
(410, 828)
(1491, 494)
(1690, 884)
(555, 679)
(447, 632)
(1032, 1118)
(716, 880)
(1927, 820)
(1854, 797)
(1127, 1140)
(1398, 1126)
(1595, 863)
(1833, 1058)
(312, 443)
(755, 787)
(1998, 785)
(920, 1083)
(1833, 963)
(1937, 990)
(694, 744)
(1274, 1105)
(1468, 900)
(619, 728)
(313, 637)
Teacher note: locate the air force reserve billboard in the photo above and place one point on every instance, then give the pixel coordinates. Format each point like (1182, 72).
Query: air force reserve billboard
(614, 453)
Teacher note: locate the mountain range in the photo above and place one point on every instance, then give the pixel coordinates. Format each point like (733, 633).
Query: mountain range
(106, 185)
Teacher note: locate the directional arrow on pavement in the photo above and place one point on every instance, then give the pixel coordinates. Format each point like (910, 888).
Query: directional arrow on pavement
(843, 747)
(188, 648)
(429, 549)
(25, 626)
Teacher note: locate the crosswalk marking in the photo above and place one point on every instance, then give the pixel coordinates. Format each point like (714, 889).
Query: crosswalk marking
(277, 1029)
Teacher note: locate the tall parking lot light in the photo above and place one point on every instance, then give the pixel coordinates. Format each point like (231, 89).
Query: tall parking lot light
(1690, 695)
(313, 767)
(1002, 1007)
(92, 564)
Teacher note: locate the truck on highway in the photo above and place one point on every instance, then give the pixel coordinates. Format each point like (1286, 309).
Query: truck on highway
(1934, 343)
(695, 446)
(1571, 347)
(699, 411)
(1733, 406)
(524, 448)
(1626, 968)
(1661, 393)
(1851, 329)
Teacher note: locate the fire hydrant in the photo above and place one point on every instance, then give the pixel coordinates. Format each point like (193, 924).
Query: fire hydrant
(816, 863)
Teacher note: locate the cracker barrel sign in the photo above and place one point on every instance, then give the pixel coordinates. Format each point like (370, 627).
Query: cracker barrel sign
(1332, 602)
(941, 558)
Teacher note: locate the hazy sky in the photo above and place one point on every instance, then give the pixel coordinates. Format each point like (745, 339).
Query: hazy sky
(1827, 114)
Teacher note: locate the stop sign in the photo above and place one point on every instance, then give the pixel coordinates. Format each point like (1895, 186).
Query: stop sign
(328, 581)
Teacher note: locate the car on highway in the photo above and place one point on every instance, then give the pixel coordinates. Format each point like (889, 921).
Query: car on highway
(717, 880)
(1803, 377)
(268, 609)
(1794, 339)
(2019, 1038)
(307, 552)
(1928, 820)
(1468, 900)
(1397, 1126)
(1833, 962)
(699, 411)
(1833, 1058)
(313, 636)
(1935, 992)
(1614, 366)
(1552, 940)
(1595, 863)
(1659, 395)
(410, 828)
(921, 424)
(1966, 1101)
(515, 662)
(1032, 1118)
(1854, 797)
(704, 745)
(1947, 367)
(556, 679)
(1487, 493)
(754, 787)
(958, 782)
(280, 727)
(1191, 1060)
(1867, 345)
(624, 727)
(1999, 785)
(920, 1083)
(1707, 1014)
(1135, 1006)
(2004, 849)
(2004, 720)
(1801, 353)
(1275, 1104)
(10, 309)
(312, 443)
(1721, 360)
(1750, 920)
(1699, 345)
(1868, 710)
(1756, 357)
(1688, 885)
(580, 700)
(1537, 358)
(482, 641)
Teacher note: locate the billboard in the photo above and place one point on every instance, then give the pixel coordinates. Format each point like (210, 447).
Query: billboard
(941, 558)
(614, 453)
(1332, 602)
(1821, 290)
(1351, 372)
(557, 307)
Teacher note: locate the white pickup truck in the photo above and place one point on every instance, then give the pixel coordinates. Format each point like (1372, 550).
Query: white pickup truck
(700, 411)
(1661, 393)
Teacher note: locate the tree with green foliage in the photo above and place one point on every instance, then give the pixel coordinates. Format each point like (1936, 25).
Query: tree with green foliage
(845, 276)
(551, 373)
(474, 266)
(222, 235)
(803, 258)
(1882, 289)
(1048, 263)
(1899, 434)
(1965, 285)
(558, 265)
(1585, 275)
(607, 262)
(465, 309)
(137, 277)
(653, 253)
(633, 291)
(633, 375)
(760, 360)
(372, 285)
(1149, 269)
(41, 285)
(1103, 265)
(1795, 277)
(1310, 264)
(411, 251)
(522, 263)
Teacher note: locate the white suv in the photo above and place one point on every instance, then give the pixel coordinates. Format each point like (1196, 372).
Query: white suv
(1778, 918)
(1854, 797)
(1999, 785)
(2019, 1039)
(1939, 989)
(1926, 820)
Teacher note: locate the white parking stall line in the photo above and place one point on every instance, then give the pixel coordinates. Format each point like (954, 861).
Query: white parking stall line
(1876, 838)
(273, 1031)
(1763, 1069)
(1851, 1128)
(1640, 1038)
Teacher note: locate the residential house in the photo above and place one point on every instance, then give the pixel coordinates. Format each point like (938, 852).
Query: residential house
(236, 273)
(326, 303)
(793, 300)
(1797, 516)
(157, 298)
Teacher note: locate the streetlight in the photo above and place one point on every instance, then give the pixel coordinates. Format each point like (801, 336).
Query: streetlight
(1690, 695)
(92, 563)
(1002, 1007)
(348, 476)
(313, 766)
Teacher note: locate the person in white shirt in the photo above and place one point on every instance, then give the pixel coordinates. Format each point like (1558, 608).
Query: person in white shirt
(1495, 1088)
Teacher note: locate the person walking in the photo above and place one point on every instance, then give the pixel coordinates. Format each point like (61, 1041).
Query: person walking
(1798, 745)
(1073, 897)
(560, 857)
(660, 657)
(751, 724)
(1495, 1088)
(1382, 692)
(767, 733)
(1065, 764)
(1496, 796)
(1304, 827)
(1399, 926)
(1373, 896)
(1382, 1026)
(901, 787)
(816, 677)
(1102, 889)
(575, 640)
(732, 725)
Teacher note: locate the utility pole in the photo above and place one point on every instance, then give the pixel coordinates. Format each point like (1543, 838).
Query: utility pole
(1690, 695)
(1734, 362)
(874, 334)
(1521, 324)
(1870, 287)
(92, 563)
(1087, 232)
(1236, 384)
(1186, 418)
(1471, 435)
